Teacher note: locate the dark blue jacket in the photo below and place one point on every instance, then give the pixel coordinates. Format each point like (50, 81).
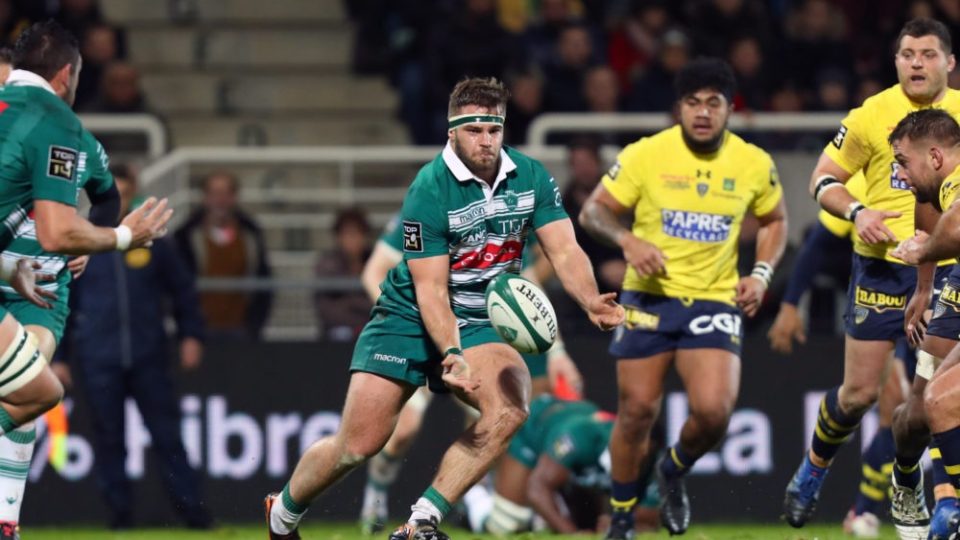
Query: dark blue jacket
(118, 307)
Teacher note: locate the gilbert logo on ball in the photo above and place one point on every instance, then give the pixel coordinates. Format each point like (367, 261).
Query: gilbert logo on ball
(521, 313)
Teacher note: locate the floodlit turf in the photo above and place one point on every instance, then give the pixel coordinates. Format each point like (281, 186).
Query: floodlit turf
(349, 532)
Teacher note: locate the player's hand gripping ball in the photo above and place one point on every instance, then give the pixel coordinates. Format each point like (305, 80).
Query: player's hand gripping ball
(521, 313)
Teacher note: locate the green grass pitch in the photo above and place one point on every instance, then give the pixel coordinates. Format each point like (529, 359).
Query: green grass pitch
(318, 531)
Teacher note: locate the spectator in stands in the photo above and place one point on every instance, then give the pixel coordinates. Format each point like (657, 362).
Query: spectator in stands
(563, 91)
(120, 91)
(816, 40)
(78, 15)
(601, 90)
(117, 347)
(220, 240)
(343, 314)
(526, 102)
(585, 167)
(100, 46)
(541, 39)
(753, 84)
(635, 44)
(717, 23)
(833, 91)
(654, 91)
(871, 86)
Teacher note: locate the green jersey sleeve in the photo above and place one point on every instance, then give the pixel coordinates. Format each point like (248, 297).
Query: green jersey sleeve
(97, 163)
(393, 234)
(52, 155)
(423, 224)
(549, 202)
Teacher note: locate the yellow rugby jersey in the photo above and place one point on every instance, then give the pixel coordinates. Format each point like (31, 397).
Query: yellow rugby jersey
(691, 207)
(861, 143)
(841, 228)
(949, 190)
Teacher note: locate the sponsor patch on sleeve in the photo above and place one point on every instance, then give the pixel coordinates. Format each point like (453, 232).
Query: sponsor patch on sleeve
(840, 136)
(614, 171)
(413, 236)
(62, 162)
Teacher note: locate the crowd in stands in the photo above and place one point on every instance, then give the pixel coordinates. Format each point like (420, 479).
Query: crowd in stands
(621, 55)
(108, 83)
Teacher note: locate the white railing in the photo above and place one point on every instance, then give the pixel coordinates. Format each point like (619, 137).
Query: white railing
(545, 124)
(146, 124)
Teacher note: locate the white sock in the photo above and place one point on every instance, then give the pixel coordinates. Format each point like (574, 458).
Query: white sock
(16, 449)
(424, 509)
(479, 504)
(282, 520)
(374, 502)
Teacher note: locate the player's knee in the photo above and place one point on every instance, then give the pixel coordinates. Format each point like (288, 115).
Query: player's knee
(712, 421)
(506, 421)
(359, 449)
(636, 417)
(856, 400)
(933, 398)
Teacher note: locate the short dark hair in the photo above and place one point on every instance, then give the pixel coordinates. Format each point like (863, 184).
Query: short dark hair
(706, 73)
(588, 144)
(353, 215)
(933, 124)
(924, 26)
(45, 48)
(6, 55)
(480, 91)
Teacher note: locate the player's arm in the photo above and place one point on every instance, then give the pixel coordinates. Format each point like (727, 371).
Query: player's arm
(810, 259)
(543, 486)
(601, 216)
(575, 272)
(828, 189)
(430, 280)
(925, 218)
(381, 261)
(61, 230)
(771, 241)
(942, 243)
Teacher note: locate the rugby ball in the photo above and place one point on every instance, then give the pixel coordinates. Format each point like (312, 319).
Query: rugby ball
(521, 313)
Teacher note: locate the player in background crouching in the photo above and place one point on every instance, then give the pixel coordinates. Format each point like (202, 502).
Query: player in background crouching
(688, 189)
(465, 220)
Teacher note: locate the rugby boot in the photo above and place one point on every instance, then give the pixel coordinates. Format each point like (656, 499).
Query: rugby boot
(803, 492)
(908, 511)
(944, 513)
(621, 526)
(422, 529)
(674, 503)
(9, 530)
(268, 503)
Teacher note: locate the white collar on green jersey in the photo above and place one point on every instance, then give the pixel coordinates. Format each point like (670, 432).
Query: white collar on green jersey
(463, 174)
(22, 77)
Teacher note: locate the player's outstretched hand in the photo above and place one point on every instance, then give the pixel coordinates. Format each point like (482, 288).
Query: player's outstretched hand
(78, 265)
(456, 373)
(911, 249)
(787, 327)
(750, 295)
(871, 228)
(148, 222)
(644, 257)
(25, 280)
(605, 312)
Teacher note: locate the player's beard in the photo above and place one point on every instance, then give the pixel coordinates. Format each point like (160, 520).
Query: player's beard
(480, 170)
(708, 146)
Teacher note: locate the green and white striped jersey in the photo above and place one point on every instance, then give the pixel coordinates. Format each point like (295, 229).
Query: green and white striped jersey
(39, 150)
(93, 168)
(482, 228)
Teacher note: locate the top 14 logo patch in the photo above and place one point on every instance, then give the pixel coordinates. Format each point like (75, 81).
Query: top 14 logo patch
(62, 162)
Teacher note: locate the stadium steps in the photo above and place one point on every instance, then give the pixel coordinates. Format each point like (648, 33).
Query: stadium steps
(249, 72)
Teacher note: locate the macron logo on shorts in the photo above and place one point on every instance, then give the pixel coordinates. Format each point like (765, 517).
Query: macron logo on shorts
(389, 358)
(696, 226)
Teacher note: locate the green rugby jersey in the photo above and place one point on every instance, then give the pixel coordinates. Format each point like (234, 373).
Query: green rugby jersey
(39, 150)
(93, 175)
(482, 228)
(573, 433)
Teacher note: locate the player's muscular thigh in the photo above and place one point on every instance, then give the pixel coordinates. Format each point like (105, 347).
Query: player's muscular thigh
(864, 372)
